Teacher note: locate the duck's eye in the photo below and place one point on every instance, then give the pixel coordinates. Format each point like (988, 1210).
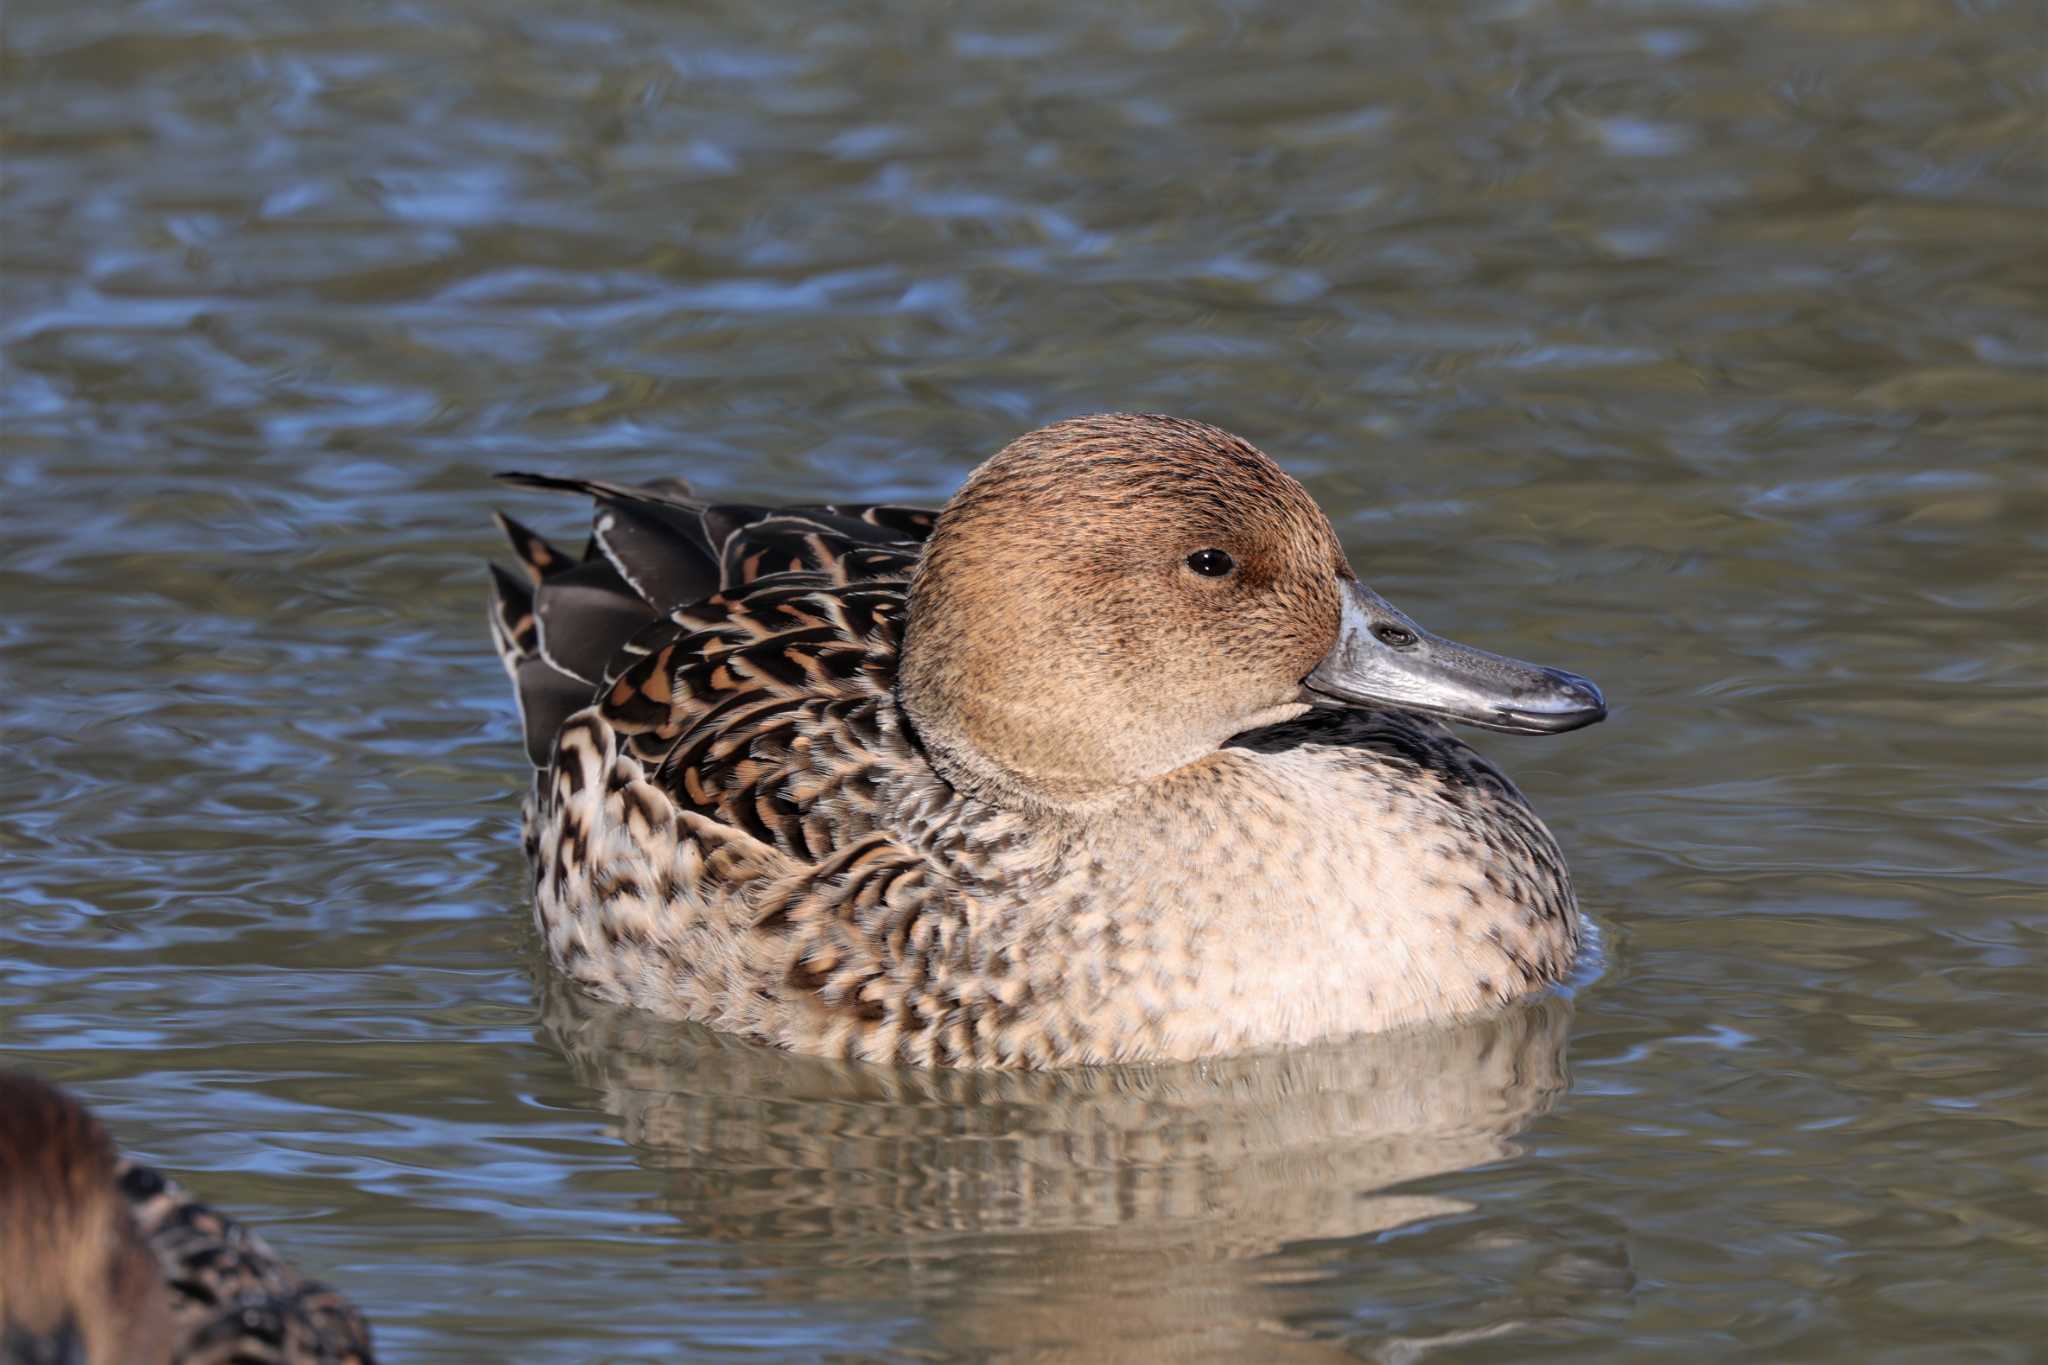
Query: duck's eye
(1211, 563)
(1398, 637)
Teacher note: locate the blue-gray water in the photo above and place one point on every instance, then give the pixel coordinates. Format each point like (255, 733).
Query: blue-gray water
(1696, 346)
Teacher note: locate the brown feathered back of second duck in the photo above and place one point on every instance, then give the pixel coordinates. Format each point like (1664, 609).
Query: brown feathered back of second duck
(104, 1261)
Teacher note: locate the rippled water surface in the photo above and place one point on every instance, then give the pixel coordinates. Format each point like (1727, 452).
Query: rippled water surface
(1696, 346)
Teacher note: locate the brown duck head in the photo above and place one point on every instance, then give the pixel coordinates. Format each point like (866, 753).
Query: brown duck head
(1111, 598)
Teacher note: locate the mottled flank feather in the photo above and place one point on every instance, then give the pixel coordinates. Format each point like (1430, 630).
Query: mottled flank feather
(735, 819)
(103, 1261)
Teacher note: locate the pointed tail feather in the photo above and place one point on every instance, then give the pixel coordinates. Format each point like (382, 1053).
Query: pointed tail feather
(547, 695)
(536, 556)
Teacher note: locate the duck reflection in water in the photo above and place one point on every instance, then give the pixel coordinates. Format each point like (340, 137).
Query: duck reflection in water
(1106, 1214)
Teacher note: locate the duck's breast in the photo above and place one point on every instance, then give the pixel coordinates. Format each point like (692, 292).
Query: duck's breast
(1271, 898)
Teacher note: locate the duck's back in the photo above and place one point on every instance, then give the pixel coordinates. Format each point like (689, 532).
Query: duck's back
(730, 819)
(665, 571)
(103, 1261)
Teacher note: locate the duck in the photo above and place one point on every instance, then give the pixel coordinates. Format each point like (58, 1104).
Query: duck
(106, 1261)
(1113, 758)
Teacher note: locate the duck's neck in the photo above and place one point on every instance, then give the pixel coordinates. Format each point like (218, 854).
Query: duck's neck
(973, 773)
(1065, 795)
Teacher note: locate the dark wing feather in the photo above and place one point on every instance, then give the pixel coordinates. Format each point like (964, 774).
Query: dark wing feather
(512, 626)
(547, 696)
(653, 535)
(585, 616)
(660, 551)
(668, 582)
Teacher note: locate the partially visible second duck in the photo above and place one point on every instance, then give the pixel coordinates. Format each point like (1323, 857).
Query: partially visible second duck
(103, 1261)
(1114, 758)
